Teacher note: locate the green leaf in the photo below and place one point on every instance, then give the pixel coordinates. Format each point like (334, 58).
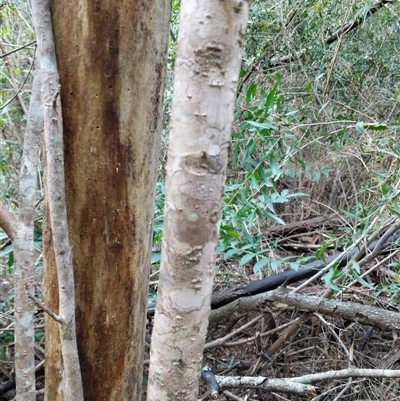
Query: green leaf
(357, 276)
(355, 265)
(264, 125)
(273, 217)
(275, 264)
(260, 264)
(251, 91)
(247, 258)
(294, 265)
(321, 251)
(274, 165)
(328, 279)
(232, 252)
(376, 127)
(359, 128)
(155, 258)
(351, 215)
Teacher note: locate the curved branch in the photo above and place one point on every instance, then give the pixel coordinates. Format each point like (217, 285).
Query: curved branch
(353, 24)
(7, 221)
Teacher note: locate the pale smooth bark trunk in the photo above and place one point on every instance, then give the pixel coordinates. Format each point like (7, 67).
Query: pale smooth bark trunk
(112, 60)
(210, 41)
(24, 251)
(21, 231)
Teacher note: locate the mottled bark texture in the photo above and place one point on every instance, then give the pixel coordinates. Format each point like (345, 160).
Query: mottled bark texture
(111, 58)
(24, 251)
(210, 41)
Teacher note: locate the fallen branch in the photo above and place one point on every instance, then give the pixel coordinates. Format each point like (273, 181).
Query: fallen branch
(302, 226)
(353, 24)
(222, 298)
(260, 382)
(346, 374)
(362, 314)
(302, 384)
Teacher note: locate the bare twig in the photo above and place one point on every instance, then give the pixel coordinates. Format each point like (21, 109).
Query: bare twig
(266, 334)
(16, 93)
(223, 340)
(332, 64)
(43, 307)
(17, 49)
(13, 81)
(368, 272)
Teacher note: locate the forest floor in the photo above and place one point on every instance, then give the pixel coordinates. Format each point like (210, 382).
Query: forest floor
(320, 344)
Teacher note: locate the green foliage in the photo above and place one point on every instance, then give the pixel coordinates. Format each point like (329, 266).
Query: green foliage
(262, 148)
(390, 287)
(158, 222)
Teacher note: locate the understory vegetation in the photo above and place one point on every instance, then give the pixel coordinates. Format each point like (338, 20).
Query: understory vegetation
(315, 148)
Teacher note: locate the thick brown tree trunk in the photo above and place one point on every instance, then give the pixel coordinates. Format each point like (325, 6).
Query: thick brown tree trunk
(111, 59)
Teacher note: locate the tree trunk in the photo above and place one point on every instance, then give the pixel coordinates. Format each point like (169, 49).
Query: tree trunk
(210, 41)
(24, 252)
(111, 59)
(55, 195)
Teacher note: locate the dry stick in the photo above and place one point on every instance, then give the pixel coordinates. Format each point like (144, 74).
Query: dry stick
(369, 271)
(267, 333)
(223, 340)
(17, 92)
(265, 383)
(333, 62)
(290, 384)
(338, 339)
(323, 395)
(232, 396)
(45, 309)
(376, 251)
(53, 136)
(289, 332)
(12, 78)
(17, 49)
(347, 373)
(343, 390)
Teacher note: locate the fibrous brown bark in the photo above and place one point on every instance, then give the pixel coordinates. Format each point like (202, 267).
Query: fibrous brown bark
(210, 40)
(111, 59)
